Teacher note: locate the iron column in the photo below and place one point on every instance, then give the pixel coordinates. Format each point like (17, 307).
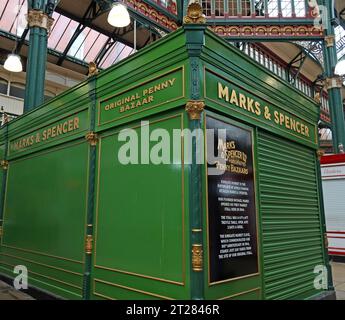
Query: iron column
(333, 82)
(39, 23)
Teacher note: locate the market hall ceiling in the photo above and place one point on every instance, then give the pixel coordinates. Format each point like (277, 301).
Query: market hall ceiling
(81, 33)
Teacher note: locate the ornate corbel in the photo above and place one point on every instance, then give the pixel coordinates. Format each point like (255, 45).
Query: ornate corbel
(93, 70)
(92, 138)
(320, 153)
(317, 97)
(326, 240)
(194, 14)
(4, 164)
(194, 109)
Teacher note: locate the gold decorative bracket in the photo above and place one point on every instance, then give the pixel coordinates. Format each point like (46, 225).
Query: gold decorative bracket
(326, 240)
(317, 97)
(93, 70)
(194, 109)
(197, 257)
(88, 244)
(37, 18)
(194, 14)
(92, 138)
(320, 153)
(335, 82)
(4, 164)
(329, 41)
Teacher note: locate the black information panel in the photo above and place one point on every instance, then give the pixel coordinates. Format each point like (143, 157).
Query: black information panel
(231, 202)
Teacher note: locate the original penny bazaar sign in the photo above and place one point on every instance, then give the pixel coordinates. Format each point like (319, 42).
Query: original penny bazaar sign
(224, 92)
(152, 93)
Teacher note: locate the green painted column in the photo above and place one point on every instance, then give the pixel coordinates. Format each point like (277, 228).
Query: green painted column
(333, 83)
(195, 34)
(39, 22)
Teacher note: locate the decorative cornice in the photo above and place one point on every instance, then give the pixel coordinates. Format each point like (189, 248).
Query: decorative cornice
(268, 31)
(329, 40)
(197, 257)
(93, 70)
(194, 109)
(37, 18)
(194, 14)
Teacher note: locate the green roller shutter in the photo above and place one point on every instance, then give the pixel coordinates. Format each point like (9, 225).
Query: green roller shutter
(292, 237)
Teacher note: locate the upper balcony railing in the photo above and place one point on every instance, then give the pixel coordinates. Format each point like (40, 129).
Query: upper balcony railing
(260, 9)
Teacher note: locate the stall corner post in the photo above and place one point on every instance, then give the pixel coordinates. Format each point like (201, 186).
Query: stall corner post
(92, 139)
(195, 39)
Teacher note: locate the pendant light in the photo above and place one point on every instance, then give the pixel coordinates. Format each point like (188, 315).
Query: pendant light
(13, 62)
(119, 16)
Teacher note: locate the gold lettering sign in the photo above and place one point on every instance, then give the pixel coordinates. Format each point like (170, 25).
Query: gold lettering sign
(235, 160)
(225, 92)
(152, 93)
(140, 98)
(247, 103)
(46, 134)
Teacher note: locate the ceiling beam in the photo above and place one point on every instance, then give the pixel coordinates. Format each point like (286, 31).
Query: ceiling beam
(90, 14)
(89, 24)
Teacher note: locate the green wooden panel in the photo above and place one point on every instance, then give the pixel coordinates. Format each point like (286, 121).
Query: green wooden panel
(41, 283)
(141, 221)
(292, 237)
(249, 295)
(45, 210)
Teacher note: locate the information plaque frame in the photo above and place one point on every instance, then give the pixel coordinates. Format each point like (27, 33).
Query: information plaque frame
(213, 278)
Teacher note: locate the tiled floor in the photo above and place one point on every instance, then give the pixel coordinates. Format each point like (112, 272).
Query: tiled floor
(9, 293)
(338, 270)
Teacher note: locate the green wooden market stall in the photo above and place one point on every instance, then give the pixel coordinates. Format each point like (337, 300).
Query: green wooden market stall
(247, 225)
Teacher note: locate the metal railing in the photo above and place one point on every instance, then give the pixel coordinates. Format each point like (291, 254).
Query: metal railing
(259, 8)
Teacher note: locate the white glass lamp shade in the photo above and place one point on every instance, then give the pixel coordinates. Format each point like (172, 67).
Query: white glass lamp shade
(340, 68)
(13, 63)
(119, 16)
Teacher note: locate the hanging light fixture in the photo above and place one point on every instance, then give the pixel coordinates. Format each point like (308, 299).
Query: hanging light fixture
(13, 62)
(119, 16)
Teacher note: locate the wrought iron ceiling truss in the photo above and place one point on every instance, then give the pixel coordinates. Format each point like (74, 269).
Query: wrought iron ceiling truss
(91, 13)
(294, 67)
